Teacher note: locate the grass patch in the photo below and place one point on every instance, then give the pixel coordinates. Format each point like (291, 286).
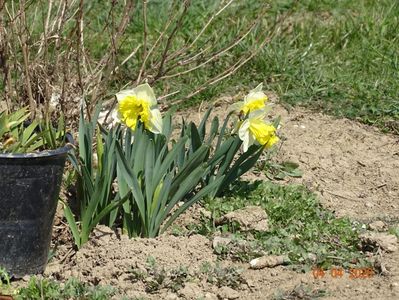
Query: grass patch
(299, 227)
(39, 289)
(338, 56)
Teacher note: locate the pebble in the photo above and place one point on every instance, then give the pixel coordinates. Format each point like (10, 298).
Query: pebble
(228, 293)
(377, 226)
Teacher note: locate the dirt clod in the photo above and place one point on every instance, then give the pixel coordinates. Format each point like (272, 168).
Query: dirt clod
(387, 242)
(210, 296)
(219, 241)
(190, 291)
(227, 293)
(377, 226)
(249, 218)
(171, 296)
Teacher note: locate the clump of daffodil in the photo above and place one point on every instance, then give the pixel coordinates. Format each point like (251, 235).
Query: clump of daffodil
(139, 105)
(251, 126)
(255, 100)
(255, 130)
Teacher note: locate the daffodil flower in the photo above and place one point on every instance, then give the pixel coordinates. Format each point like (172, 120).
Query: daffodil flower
(255, 100)
(139, 104)
(255, 130)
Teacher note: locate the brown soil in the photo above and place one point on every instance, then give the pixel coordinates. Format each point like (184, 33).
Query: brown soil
(355, 170)
(353, 167)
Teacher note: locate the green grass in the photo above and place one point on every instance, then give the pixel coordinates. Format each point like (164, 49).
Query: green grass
(44, 289)
(340, 57)
(337, 56)
(299, 227)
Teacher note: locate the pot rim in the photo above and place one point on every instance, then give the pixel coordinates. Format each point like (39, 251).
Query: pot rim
(45, 153)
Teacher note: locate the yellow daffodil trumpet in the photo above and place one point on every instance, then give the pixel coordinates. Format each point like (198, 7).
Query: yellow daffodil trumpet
(255, 130)
(139, 104)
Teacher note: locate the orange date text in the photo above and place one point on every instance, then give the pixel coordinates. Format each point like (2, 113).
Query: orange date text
(354, 273)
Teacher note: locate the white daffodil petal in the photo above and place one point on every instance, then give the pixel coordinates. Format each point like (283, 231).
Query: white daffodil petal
(255, 96)
(244, 135)
(257, 89)
(156, 121)
(257, 114)
(236, 106)
(123, 94)
(145, 92)
(115, 117)
(251, 140)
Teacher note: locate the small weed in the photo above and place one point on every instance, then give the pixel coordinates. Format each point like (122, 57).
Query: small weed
(156, 277)
(178, 277)
(177, 230)
(282, 170)
(137, 275)
(300, 292)
(4, 277)
(39, 289)
(394, 231)
(222, 276)
(5, 287)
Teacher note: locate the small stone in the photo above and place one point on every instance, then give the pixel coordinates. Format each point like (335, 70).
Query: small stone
(249, 218)
(387, 242)
(268, 261)
(368, 204)
(190, 291)
(219, 241)
(53, 269)
(394, 286)
(250, 283)
(103, 233)
(312, 257)
(377, 226)
(210, 296)
(171, 296)
(228, 293)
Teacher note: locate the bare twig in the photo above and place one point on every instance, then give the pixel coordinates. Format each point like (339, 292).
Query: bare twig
(4, 57)
(126, 59)
(145, 29)
(209, 22)
(213, 56)
(25, 53)
(170, 38)
(79, 56)
(160, 36)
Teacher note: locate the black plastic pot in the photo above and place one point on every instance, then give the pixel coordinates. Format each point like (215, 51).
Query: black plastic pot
(29, 189)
